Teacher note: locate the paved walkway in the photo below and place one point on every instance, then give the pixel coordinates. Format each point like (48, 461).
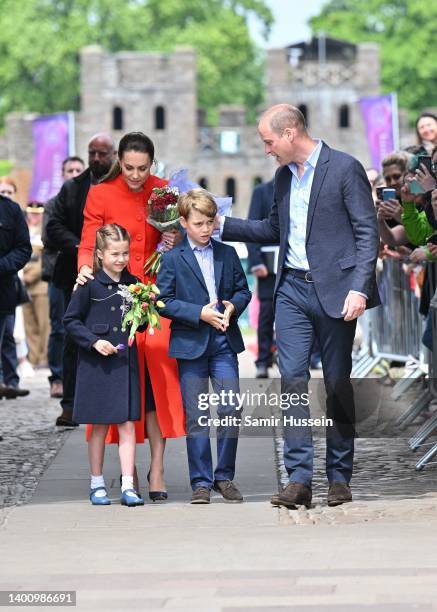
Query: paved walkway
(377, 553)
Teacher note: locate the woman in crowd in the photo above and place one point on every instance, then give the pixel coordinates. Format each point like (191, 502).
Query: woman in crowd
(426, 130)
(122, 198)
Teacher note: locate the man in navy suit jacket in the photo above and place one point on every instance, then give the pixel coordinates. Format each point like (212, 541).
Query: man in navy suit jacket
(323, 217)
(204, 289)
(262, 268)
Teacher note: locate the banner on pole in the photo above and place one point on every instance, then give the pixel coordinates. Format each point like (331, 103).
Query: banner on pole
(50, 148)
(380, 119)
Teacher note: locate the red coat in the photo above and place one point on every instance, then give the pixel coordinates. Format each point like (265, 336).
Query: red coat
(114, 202)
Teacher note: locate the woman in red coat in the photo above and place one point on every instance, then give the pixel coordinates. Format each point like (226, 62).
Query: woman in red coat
(122, 198)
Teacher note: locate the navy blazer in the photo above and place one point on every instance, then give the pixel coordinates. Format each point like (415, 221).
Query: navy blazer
(15, 252)
(342, 238)
(184, 293)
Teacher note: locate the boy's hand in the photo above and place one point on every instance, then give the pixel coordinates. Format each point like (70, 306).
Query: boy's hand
(105, 348)
(212, 317)
(229, 311)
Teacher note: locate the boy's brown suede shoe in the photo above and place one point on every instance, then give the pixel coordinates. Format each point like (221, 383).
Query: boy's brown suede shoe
(200, 495)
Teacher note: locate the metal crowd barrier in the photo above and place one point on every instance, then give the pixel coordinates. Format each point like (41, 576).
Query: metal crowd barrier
(430, 425)
(395, 329)
(395, 332)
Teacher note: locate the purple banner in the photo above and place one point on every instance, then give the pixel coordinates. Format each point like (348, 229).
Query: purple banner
(50, 148)
(380, 118)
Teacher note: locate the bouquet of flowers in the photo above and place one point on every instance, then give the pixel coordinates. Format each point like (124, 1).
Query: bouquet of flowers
(139, 307)
(163, 214)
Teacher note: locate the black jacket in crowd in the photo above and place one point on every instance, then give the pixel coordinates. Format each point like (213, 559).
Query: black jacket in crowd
(15, 252)
(260, 205)
(64, 228)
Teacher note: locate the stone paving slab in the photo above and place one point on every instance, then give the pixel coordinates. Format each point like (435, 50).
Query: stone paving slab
(224, 557)
(30, 440)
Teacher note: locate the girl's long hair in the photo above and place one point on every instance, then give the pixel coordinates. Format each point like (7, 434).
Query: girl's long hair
(133, 141)
(110, 231)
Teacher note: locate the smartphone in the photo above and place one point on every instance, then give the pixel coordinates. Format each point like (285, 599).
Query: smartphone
(378, 191)
(388, 194)
(426, 161)
(415, 187)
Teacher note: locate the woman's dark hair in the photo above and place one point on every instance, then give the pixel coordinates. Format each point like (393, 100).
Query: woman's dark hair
(133, 141)
(422, 116)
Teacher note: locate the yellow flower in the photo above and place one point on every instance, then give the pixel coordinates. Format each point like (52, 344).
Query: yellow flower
(160, 304)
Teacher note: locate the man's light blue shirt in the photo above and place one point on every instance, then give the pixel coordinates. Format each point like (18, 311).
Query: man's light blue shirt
(300, 192)
(205, 259)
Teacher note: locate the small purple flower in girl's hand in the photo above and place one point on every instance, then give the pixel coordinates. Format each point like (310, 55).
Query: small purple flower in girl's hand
(120, 347)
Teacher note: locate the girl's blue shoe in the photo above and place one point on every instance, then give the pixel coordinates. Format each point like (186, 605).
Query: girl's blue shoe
(131, 498)
(97, 500)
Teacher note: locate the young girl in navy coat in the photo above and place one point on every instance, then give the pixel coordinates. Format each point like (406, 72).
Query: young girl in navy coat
(107, 383)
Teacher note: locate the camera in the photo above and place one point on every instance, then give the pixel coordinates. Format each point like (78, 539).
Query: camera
(388, 194)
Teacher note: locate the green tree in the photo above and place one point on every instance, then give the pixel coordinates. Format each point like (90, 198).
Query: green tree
(41, 40)
(405, 31)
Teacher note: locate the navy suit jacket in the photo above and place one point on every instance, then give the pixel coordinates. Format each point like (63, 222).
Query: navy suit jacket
(341, 236)
(184, 293)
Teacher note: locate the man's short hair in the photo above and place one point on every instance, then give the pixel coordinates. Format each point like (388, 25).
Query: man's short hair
(285, 116)
(197, 199)
(398, 158)
(72, 158)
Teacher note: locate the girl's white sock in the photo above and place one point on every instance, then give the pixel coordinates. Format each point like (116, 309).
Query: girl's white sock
(98, 481)
(127, 482)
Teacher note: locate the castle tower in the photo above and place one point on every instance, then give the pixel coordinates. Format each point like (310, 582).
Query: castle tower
(325, 78)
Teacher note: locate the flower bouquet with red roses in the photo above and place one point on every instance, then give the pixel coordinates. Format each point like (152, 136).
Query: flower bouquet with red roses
(163, 214)
(139, 307)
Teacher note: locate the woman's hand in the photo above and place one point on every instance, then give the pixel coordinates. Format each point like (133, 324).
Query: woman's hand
(390, 209)
(105, 348)
(406, 194)
(418, 255)
(85, 274)
(171, 238)
(434, 202)
(432, 249)
(425, 179)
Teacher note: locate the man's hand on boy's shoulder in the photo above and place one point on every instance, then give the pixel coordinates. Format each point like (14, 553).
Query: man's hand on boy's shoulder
(213, 317)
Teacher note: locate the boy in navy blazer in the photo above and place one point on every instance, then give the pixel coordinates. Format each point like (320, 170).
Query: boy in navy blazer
(204, 290)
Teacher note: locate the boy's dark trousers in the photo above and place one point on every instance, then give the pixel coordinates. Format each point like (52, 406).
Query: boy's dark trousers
(219, 362)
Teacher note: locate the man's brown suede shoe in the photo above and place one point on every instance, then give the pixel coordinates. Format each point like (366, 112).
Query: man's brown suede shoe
(200, 495)
(295, 494)
(339, 493)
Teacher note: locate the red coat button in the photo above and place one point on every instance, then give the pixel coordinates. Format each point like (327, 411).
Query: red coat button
(139, 237)
(138, 257)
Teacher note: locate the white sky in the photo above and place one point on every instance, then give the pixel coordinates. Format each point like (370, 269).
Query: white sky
(290, 25)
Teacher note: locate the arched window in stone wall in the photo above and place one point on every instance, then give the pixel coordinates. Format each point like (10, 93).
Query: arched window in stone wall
(343, 116)
(203, 182)
(159, 118)
(231, 188)
(257, 180)
(304, 110)
(117, 118)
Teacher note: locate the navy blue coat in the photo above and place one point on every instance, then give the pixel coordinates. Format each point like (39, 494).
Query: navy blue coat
(107, 388)
(184, 292)
(15, 252)
(260, 206)
(342, 238)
